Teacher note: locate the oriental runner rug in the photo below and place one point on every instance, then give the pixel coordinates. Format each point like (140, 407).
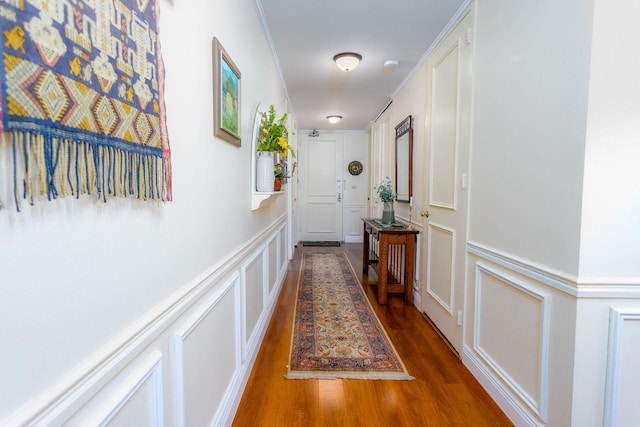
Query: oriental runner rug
(82, 99)
(336, 333)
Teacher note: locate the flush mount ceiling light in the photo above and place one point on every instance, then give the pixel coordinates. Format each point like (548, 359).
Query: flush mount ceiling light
(390, 63)
(347, 61)
(334, 119)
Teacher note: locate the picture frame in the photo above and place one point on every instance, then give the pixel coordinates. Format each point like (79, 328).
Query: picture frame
(226, 96)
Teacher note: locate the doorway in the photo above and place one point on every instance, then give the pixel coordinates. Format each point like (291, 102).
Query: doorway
(321, 187)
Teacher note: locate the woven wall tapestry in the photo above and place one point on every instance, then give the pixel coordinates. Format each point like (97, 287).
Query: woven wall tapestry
(81, 100)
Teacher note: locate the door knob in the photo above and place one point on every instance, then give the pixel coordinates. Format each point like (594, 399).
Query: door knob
(424, 214)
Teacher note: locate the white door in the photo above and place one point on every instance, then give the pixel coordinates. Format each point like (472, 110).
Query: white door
(321, 192)
(448, 132)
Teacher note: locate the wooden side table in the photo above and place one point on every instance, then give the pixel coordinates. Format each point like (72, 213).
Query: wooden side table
(390, 251)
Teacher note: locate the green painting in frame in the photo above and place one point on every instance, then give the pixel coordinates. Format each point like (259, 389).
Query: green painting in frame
(226, 96)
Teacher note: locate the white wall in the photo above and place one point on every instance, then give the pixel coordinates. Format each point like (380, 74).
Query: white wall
(89, 289)
(610, 240)
(530, 88)
(554, 208)
(553, 229)
(411, 100)
(355, 187)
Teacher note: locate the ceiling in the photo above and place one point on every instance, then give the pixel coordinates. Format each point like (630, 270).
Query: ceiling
(306, 34)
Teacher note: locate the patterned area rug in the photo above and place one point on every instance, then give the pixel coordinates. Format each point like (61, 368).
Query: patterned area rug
(336, 333)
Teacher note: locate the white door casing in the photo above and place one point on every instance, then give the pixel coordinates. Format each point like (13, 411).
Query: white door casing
(321, 192)
(381, 158)
(447, 129)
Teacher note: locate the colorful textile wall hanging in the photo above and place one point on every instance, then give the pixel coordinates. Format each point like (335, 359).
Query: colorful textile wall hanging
(81, 100)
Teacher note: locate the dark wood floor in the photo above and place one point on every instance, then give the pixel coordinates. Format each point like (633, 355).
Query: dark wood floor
(444, 393)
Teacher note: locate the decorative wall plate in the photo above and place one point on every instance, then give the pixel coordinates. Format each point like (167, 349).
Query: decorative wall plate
(355, 168)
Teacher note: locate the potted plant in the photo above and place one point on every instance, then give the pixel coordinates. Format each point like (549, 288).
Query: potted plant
(385, 193)
(280, 174)
(272, 146)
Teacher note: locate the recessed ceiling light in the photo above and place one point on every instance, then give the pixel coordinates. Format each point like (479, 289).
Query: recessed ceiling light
(334, 119)
(347, 61)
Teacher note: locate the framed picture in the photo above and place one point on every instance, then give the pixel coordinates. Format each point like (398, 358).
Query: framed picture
(226, 96)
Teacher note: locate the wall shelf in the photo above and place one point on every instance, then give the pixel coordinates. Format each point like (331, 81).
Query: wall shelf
(259, 199)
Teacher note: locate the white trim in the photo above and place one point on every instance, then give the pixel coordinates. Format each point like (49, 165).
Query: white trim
(267, 34)
(150, 369)
(617, 318)
(181, 334)
(457, 17)
(260, 253)
(539, 403)
(602, 287)
(539, 273)
(450, 231)
(84, 381)
(512, 408)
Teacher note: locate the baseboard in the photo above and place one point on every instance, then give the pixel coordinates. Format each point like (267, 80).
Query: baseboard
(512, 408)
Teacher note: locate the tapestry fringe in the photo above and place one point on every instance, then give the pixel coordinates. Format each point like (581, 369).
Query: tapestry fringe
(49, 167)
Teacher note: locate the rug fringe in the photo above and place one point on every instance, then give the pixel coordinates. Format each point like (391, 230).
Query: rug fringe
(49, 167)
(349, 376)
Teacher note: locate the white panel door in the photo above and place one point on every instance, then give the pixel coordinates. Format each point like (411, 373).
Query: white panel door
(321, 187)
(448, 132)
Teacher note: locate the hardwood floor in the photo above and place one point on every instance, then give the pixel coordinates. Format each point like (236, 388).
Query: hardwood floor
(444, 392)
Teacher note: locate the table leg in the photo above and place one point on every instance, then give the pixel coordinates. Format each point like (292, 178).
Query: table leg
(365, 251)
(382, 269)
(410, 267)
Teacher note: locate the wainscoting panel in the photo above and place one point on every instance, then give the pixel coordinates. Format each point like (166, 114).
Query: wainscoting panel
(211, 330)
(139, 400)
(441, 264)
(203, 373)
(512, 327)
(623, 374)
(255, 281)
(353, 229)
(274, 265)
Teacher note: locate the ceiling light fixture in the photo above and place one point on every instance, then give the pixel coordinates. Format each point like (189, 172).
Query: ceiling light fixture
(334, 119)
(347, 61)
(390, 63)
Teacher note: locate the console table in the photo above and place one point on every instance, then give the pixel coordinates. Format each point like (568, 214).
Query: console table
(390, 251)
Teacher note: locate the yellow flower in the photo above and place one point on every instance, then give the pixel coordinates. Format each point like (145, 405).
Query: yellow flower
(282, 142)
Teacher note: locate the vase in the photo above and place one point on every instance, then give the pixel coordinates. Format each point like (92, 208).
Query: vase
(264, 171)
(388, 215)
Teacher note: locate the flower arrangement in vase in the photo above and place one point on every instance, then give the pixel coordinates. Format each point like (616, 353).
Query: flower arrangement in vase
(273, 135)
(273, 146)
(385, 193)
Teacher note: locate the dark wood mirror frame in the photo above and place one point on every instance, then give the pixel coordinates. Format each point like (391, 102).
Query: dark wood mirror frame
(404, 160)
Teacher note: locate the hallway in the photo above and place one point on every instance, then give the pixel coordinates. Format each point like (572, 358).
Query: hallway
(443, 393)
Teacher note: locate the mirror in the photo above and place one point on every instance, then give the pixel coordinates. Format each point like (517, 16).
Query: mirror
(404, 162)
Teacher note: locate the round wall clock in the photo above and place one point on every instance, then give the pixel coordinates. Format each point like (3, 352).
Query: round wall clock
(355, 168)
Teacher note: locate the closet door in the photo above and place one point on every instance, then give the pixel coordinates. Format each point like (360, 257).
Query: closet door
(445, 227)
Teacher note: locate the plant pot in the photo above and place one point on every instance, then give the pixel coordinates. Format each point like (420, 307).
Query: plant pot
(264, 171)
(388, 215)
(277, 184)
